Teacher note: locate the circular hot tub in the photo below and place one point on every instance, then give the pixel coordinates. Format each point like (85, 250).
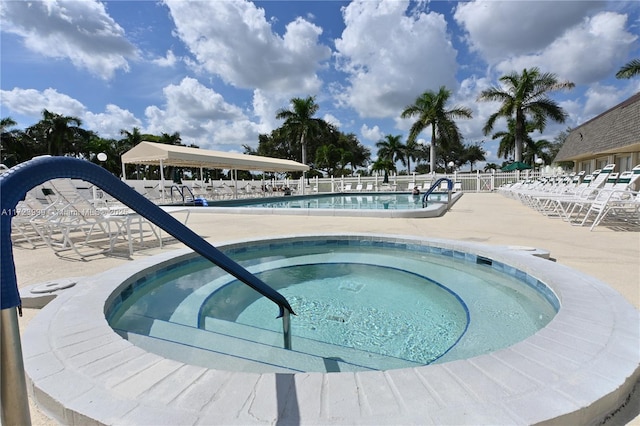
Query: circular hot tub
(579, 367)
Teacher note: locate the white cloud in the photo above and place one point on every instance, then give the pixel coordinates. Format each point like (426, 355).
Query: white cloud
(371, 133)
(599, 98)
(571, 55)
(501, 29)
(79, 31)
(31, 102)
(234, 40)
(390, 57)
(265, 107)
(331, 119)
(168, 61)
(202, 116)
(109, 123)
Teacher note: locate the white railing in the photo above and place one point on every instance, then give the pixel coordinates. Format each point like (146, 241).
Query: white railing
(469, 182)
(227, 189)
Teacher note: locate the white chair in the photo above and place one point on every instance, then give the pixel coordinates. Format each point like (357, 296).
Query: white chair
(620, 208)
(87, 230)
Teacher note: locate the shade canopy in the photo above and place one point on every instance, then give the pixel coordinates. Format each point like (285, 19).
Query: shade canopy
(151, 153)
(516, 165)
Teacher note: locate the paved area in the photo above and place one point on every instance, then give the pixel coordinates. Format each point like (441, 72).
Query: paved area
(609, 255)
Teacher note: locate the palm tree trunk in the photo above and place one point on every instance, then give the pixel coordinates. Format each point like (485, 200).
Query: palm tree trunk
(432, 150)
(520, 129)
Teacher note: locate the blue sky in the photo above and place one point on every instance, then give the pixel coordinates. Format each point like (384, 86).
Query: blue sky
(217, 71)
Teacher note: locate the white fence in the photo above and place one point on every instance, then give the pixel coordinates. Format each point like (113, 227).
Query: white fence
(469, 182)
(227, 189)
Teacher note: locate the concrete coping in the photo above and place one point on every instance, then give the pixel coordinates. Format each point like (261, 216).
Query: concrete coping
(579, 369)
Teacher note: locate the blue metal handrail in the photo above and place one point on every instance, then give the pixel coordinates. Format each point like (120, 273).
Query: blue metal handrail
(433, 188)
(180, 190)
(14, 185)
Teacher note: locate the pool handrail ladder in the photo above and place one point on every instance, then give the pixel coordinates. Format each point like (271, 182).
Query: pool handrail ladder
(181, 189)
(14, 185)
(435, 186)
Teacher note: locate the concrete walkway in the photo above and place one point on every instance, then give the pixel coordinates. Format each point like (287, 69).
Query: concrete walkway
(609, 255)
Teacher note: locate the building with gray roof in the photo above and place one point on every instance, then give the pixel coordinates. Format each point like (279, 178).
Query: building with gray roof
(612, 137)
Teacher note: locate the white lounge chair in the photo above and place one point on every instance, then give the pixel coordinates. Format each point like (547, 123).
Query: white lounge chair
(79, 226)
(30, 215)
(617, 192)
(622, 207)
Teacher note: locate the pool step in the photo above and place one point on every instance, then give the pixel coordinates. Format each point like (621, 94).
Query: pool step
(242, 349)
(327, 351)
(201, 357)
(218, 350)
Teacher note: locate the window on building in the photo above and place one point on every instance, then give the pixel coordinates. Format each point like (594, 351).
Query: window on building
(601, 162)
(623, 163)
(586, 166)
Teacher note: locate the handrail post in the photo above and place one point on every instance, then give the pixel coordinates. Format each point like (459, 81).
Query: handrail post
(286, 327)
(15, 405)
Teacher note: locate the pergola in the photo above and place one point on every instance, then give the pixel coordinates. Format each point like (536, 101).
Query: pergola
(158, 154)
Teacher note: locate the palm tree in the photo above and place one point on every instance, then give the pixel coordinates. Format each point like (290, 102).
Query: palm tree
(327, 158)
(490, 166)
(541, 149)
(7, 122)
(629, 70)
(171, 139)
(383, 164)
(390, 148)
(524, 98)
(508, 138)
(412, 151)
(10, 143)
(131, 139)
(430, 109)
(59, 132)
(299, 121)
(473, 154)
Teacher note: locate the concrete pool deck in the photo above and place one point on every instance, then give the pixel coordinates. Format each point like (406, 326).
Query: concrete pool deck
(609, 255)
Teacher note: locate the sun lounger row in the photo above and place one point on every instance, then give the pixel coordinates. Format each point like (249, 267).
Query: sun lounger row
(369, 187)
(61, 214)
(188, 190)
(601, 197)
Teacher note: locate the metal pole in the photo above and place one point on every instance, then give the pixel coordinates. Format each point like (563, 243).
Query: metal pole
(13, 387)
(286, 328)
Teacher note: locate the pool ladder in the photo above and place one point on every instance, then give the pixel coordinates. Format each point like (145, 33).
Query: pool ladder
(435, 186)
(181, 192)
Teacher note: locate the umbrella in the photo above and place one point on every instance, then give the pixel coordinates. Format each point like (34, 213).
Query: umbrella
(517, 165)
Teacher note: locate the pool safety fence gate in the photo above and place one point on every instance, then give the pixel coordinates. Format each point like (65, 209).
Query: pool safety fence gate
(14, 185)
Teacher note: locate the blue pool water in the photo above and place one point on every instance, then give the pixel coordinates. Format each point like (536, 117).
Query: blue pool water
(363, 201)
(363, 304)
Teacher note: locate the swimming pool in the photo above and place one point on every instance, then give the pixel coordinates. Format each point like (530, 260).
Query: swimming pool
(362, 304)
(379, 204)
